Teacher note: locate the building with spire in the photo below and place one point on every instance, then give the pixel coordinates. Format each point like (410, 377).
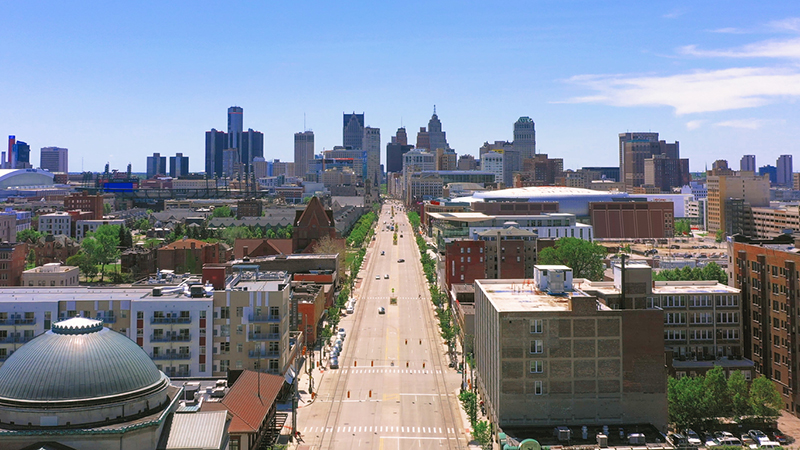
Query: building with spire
(436, 136)
(525, 137)
(395, 151)
(353, 131)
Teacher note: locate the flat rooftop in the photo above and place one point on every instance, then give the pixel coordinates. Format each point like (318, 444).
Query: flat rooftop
(522, 296)
(607, 288)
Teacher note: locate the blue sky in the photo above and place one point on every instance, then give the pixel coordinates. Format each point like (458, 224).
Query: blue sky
(116, 81)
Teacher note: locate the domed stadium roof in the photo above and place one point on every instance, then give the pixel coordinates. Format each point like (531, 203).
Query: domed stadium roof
(78, 359)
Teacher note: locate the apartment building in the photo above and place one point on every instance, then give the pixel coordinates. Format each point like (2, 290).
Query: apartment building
(59, 223)
(725, 185)
(549, 354)
(767, 272)
(770, 221)
(52, 275)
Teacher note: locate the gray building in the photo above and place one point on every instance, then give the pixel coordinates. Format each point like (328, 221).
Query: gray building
(54, 159)
(156, 165)
(353, 131)
(235, 126)
(216, 143)
(437, 137)
(303, 151)
(372, 147)
(784, 165)
(548, 354)
(748, 163)
(395, 151)
(525, 137)
(178, 165)
(251, 147)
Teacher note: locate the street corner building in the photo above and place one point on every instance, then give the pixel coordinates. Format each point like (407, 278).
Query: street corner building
(549, 354)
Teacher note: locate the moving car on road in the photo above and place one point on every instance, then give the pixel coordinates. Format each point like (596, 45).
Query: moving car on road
(401, 260)
(381, 310)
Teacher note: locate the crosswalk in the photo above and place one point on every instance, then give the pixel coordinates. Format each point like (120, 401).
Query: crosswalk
(387, 298)
(391, 370)
(380, 429)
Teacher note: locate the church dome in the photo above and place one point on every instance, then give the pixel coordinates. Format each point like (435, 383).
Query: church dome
(79, 360)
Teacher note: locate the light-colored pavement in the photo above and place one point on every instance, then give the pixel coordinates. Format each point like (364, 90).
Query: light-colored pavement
(394, 389)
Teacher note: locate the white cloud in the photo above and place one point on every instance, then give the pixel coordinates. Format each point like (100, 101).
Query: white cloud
(698, 92)
(750, 124)
(787, 48)
(694, 124)
(674, 14)
(791, 24)
(729, 30)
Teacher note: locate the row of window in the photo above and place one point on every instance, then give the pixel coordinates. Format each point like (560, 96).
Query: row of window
(695, 301)
(701, 335)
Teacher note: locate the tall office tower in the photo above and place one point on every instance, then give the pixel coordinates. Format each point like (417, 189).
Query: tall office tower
(784, 165)
(372, 148)
(251, 147)
(6, 164)
(303, 151)
(178, 165)
(525, 137)
(747, 163)
(54, 159)
(635, 148)
(353, 131)
(423, 139)
(231, 163)
(512, 163)
(395, 151)
(493, 162)
(235, 126)
(156, 165)
(22, 156)
(216, 143)
(437, 137)
(771, 172)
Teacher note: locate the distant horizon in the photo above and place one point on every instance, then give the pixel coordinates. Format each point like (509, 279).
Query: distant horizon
(116, 82)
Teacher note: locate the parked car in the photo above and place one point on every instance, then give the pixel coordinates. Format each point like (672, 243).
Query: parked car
(693, 438)
(386, 276)
(383, 252)
(779, 438)
(758, 436)
(342, 333)
(381, 310)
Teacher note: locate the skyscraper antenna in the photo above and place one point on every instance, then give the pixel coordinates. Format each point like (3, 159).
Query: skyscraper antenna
(434, 109)
(304, 122)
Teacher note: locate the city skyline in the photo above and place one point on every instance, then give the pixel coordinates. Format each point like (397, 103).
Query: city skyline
(709, 76)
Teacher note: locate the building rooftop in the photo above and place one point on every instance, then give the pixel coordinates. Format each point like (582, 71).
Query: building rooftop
(51, 268)
(523, 296)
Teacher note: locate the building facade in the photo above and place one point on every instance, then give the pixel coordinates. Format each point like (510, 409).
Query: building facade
(525, 137)
(632, 220)
(156, 165)
(54, 159)
(303, 151)
(178, 165)
(51, 275)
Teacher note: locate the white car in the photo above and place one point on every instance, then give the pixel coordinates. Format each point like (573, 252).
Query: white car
(377, 277)
(386, 276)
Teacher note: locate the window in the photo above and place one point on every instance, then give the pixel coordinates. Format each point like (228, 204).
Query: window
(139, 315)
(537, 388)
(225, 330)
(728, 317)
(674, 335)
(274, 311)
(675, 318)
(239, 348)
(537, 346)
(224, 347)
(536, 366)
(239, 311)
(536, 325)
(202, 314)
(224, 365)
(224, 312)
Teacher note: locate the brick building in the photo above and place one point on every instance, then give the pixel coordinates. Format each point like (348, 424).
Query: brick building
(138, 261)
(50, 249)
(766, 271)
(189, 255)
(516, 249)
(311, 224)
(85, 202)
(464, 262)
(632, 220)
(249, 208)
(12, 263)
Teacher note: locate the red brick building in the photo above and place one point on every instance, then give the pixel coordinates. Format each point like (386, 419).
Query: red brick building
(632, 220)
(51, 249)
(464, 262)
(311, 301)
(12, 263)
(261, 247)
(766, 271)
(311, 224)
(189, 255)
(85, 202)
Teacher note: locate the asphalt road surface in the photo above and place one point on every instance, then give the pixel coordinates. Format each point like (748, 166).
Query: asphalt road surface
(393, 389)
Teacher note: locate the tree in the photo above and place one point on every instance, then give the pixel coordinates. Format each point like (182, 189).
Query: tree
(482, 433)
(142, 224)
(765, 399)
(106, 209)
(222, 211)
(720, 236)
(715, 389)
(125, 237)
(328, 246)
(84, 264)
(101, 247)
(469, 401)
(414, 219)
(31, 259)
(711, 271)
(738, 395)
(29, 235)
(584, 257)
(686, 400)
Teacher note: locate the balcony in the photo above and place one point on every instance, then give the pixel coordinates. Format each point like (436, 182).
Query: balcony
(263, 354)
(264, 319)
(171, 356)
(107, 319)
(171, 338)
(18, 321)
(16, 339)
(169, 320)
(264, 336)
(178, 373)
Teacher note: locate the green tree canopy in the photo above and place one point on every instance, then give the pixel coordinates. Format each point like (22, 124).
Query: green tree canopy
(84, 264)
(101, 247)
(711, 271)
(29, 235)
(222, 211)
(584, 257)
(764, 398)
(682, 228)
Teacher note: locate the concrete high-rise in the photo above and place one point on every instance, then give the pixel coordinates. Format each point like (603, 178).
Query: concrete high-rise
(216, 143)
(395, 151)
(54, 159)
(747, 163)
(423, 139)
(525, 137)
(437, 137)
(725, 189)
(635, 148)
(251, 146)
(156, 165)
(784, 165)
(372, 149)
(353, 131)
(303, 151)
(235, 126)
(178, 165)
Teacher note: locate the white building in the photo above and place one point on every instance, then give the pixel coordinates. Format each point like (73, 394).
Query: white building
(55, 224)
(493, 162)
(51, 275)
(84, 227)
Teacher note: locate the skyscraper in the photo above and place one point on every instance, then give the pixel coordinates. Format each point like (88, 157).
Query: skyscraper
(303, 151)
(372, 147)
(635, 148)
(395, 151)
(216, 143)
(639, 139)
(747, 163)
(251, 146)
(423, 139)
(353, 131)
(436, 136)
(156, 165)
(54, 159)
(235, 126)
(525, 137)
(784, 165)
(178, 165)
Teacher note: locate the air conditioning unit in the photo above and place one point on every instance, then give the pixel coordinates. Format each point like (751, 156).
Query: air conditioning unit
(555, 281)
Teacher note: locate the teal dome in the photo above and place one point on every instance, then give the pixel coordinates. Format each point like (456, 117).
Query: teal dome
(78, 359)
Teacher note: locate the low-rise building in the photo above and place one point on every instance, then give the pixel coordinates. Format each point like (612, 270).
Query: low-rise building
(632, 220)
(12, 262)
(52, 275)
(59, 223)
(84, 227)
(549, 354)
(189, 255)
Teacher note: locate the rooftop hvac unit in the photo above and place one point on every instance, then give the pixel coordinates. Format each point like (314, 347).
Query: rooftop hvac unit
(555, 282)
